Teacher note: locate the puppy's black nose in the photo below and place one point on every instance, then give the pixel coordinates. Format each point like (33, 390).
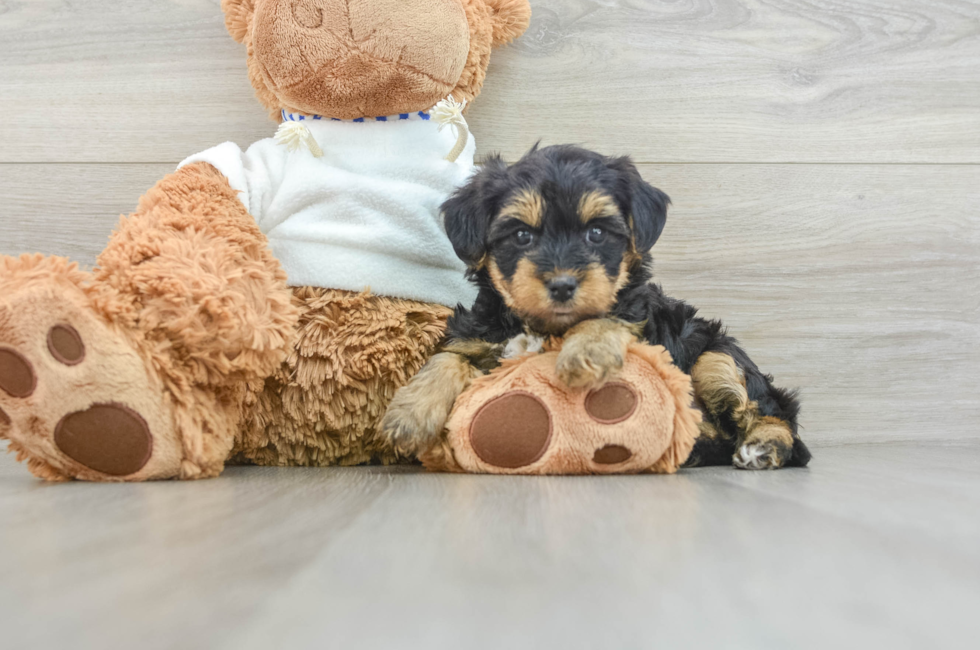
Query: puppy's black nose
(562, 288)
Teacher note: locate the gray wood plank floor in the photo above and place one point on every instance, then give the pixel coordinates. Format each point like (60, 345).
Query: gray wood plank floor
(873, 546)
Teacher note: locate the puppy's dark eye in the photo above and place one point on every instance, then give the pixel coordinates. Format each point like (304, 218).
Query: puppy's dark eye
(596, 235)
(524, 238)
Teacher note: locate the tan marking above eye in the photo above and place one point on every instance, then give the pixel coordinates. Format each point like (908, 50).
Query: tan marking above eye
(526, 206)
(594, 205)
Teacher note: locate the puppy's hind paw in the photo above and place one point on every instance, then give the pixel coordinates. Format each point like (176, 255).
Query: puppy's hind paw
(754, 456)
(769, 445)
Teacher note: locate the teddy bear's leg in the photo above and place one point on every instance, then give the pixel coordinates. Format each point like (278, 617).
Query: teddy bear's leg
(137, 371)
(76, 399)
(351, 353)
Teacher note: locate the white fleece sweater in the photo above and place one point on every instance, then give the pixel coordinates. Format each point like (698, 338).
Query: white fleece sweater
(363, 216)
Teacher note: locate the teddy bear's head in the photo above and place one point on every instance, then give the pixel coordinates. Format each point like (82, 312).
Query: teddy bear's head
(368, 58)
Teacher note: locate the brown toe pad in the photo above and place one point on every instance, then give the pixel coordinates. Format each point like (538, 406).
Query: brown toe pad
(65, 345)
(612, 454)
(17, 377)
(612, 403)
(107, 438)
(511, 431)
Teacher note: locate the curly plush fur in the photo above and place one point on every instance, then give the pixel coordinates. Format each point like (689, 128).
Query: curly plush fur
(350, 354)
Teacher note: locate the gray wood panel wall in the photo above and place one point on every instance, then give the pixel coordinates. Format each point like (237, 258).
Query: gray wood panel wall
(823, 158)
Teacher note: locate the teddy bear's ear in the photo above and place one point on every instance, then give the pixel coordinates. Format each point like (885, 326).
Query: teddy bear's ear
(470, 210)
(510, 19)
(238, 16)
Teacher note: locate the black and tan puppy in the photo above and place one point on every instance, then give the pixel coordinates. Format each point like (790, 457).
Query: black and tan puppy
(559, 244)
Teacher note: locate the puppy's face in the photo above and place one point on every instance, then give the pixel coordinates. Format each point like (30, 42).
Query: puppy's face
(557, 233)
(558, 258)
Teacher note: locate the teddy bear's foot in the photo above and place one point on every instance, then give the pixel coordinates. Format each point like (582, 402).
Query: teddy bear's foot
(522, 419)
(768, 445)
(76, 398)
(516, 429)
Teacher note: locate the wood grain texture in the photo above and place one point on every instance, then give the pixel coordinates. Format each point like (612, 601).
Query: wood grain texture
(872, 546)
(685, 81)
(859, 284)
(68, 210)
(747, 80)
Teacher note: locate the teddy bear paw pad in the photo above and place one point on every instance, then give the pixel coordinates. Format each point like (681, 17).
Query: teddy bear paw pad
(611, 404)
(77, 399)
(612, 455)
(107, 438)
(511, 431)
(17, 377)
(65, 344)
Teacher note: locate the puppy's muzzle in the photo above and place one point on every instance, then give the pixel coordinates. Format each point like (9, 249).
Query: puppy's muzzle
(563, 288)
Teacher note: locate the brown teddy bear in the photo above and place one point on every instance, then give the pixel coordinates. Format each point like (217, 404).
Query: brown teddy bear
(264, 305)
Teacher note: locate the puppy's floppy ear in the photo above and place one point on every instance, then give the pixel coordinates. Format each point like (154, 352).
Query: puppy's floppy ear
(645, 204)
(510, 19)
(238, 17)
(470, 210)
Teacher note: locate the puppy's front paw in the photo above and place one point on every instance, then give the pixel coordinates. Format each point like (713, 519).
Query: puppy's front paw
(410, 426)
(418, 413)
(581, 366)
(522, 344)
(593, 352)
